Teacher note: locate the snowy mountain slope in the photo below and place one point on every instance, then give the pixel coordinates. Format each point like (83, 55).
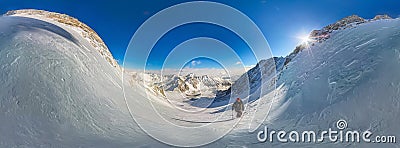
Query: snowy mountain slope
(58, 91)
(348, 57)
(325, 33)
(352, 76)
(248, 86)
(322, 78)
(254, 75)
(72, 23)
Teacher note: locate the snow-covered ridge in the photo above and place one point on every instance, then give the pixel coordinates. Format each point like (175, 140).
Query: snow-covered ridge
(344, 23)
(351, 75)
(56, 89)
(84, 30)
(382, 17)
(321, 35)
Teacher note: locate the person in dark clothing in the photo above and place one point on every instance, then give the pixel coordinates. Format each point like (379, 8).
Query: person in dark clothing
(238, 107)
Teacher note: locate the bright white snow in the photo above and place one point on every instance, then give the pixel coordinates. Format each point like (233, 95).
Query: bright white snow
(58, 91)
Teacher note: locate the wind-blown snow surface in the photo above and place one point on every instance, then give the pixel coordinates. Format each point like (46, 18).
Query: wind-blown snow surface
(58, 91)
(354, 76)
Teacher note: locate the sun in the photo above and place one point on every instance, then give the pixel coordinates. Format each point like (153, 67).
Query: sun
(304, 39)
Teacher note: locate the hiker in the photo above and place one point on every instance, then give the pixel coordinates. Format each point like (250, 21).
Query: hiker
(238, 107)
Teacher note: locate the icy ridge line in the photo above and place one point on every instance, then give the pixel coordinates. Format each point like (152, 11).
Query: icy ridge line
(324, 33)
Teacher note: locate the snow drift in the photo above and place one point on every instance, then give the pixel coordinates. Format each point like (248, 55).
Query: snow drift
(352, 75)
(57, 90)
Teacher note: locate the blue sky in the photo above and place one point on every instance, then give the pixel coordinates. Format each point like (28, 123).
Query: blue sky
(280, 21)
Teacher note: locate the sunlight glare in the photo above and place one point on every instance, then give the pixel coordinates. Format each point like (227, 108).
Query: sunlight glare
(304, 39)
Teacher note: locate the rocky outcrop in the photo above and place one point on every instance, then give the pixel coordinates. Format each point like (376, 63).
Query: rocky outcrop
(159, 90)
(381, 17)
(182, 86)
(345, 22)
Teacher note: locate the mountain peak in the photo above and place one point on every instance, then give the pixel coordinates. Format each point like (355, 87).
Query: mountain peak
(345, 22)
(381, 17)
